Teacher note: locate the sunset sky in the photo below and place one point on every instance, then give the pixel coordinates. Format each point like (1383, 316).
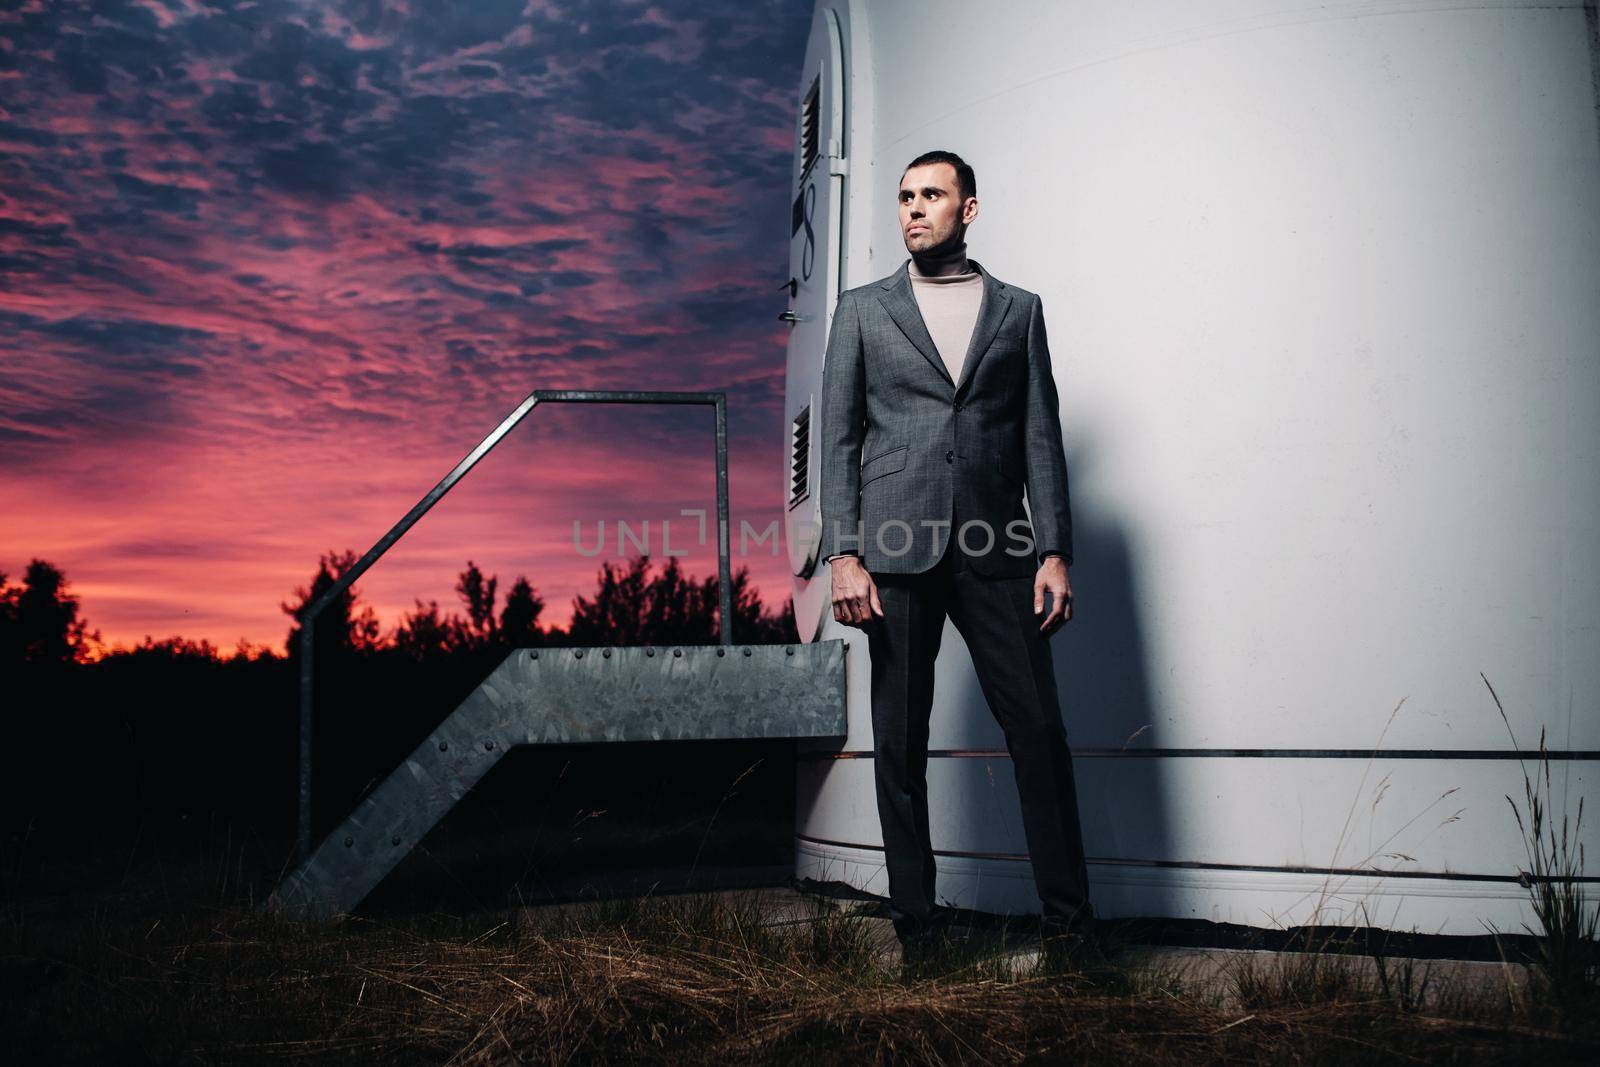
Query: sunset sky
(268, 270)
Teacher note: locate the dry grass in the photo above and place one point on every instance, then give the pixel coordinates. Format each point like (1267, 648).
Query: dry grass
(670, 980)
(1568, 938)
(160, 955)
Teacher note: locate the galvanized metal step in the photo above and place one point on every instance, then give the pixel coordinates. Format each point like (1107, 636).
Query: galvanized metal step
(553, 696)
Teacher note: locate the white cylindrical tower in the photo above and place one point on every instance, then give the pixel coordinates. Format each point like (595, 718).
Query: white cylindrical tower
(1322, 287)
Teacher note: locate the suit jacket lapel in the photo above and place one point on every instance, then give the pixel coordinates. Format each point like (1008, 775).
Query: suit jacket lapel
(901, 305)
(902, 308)
(991, 311)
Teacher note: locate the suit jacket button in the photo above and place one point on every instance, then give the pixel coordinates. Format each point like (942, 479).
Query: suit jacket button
(949, 457)
(958, 405)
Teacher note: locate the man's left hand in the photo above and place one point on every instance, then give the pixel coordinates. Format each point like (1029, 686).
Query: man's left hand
(1053, 576)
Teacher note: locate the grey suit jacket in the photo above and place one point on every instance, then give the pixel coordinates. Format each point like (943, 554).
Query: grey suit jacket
(904, 448)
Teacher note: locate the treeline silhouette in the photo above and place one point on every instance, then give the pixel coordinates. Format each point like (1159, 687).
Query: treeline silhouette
(39, 622)
(171, 730)
(41, 625)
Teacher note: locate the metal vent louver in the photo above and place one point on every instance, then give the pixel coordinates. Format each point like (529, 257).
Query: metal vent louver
(799, 453)
(810, 116)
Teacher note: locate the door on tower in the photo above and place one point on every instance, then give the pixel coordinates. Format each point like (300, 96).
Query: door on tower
(817, 194)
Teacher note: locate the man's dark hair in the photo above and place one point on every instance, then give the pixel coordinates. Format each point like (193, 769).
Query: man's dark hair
(966, 181)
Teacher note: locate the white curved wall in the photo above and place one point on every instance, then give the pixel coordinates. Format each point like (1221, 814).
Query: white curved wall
(1322, 284)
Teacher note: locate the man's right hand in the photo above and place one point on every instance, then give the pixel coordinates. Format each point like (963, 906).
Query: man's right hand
(855, 597)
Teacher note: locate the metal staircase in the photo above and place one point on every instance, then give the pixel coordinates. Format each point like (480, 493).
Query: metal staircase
(556, 696)
(566, 696)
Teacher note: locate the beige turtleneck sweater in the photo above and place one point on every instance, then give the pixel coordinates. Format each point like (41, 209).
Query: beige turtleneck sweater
(948, 293)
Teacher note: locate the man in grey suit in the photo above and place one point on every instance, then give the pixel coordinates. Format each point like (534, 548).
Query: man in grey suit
(938, 410)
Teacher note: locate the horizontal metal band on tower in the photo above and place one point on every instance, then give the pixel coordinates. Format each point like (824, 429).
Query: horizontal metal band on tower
(1207, 865)
(1559, 755)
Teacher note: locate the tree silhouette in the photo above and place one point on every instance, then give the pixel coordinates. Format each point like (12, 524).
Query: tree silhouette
(752, 625)
(248, 651)
(677, 611)
(10, 630)
(346, 626)
(630, 608)
(482, 629)
(169, 649)
(424, 634)
(519, 620)
(39, 621)
(619, 612)
(782, 627)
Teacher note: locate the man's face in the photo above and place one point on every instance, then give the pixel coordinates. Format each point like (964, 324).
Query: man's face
(932, 215)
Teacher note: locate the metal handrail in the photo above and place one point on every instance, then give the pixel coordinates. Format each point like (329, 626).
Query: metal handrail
(309, 615)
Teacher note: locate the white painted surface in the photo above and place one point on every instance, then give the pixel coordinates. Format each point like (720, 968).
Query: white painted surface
(1322, 282)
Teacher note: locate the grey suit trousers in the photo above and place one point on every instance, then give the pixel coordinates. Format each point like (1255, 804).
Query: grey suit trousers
(995, 618)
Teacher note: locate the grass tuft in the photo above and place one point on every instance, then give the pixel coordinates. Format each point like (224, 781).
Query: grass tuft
(1567, 964)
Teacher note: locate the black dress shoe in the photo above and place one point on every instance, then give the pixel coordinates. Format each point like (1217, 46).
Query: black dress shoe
(914, 927)
(1075, 949)
(924, 945)
(1081, 921)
